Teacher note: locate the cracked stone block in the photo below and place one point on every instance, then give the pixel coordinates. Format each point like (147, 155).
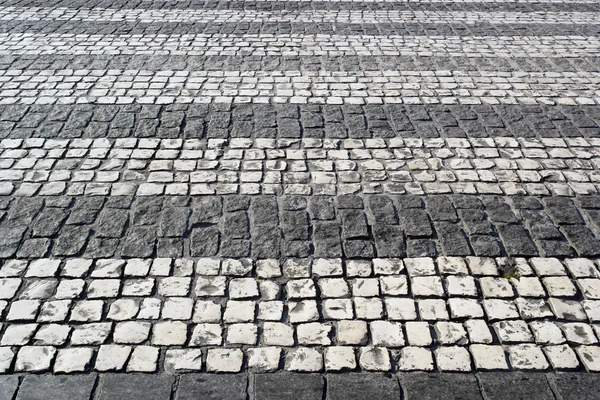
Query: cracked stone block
(123, 309)
(112, 357)
(88, 334)
(174, 286)
(264, 359)
(242, 334)
(488, 357)
(400, 309)
(386, 334)
(87, 311)
(207, 311)
(210, 286)
(52, 334)
(239, 311)
(421, 266)
(415, 359)
(6, 358)
(453, 358)
(339, 358)
(34, 358)
(561, 357)
(76, 359)
(23, 310)
(16, 335)
(143, 359)
(277, 334)
(42, 268)
(327, 267)
(427, 286)
(590, 357)
(303, 311)
(131, 332)
(527, 357)
(387, 266)
(368, 308)
(313, 333)
(374, 359)
(579, 333)
(304, 359)
(169, 333)
(180, 360)
(177, 308)
(365, 287)
(513, 332)
(393, 285)
(224, 360)
(268, 269)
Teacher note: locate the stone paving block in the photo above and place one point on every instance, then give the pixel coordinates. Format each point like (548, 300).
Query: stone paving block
(419, 386)
(575, 386)
(75, 387)
(291, 386)
(8, 386)
(505, 386)
(362, 385)
(136, 386)
(212, 387)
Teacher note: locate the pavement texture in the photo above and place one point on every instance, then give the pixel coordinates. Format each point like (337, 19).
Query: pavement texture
(335, 199)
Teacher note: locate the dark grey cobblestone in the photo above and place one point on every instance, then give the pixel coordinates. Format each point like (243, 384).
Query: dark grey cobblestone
(294, 386)
(502, 386)
(36, 387)
(292, 121)
(290, 226)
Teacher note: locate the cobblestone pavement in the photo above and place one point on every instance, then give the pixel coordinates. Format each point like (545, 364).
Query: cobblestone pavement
(333, 199)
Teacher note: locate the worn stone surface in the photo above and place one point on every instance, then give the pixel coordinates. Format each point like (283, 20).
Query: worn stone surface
(210, 386)
(427, 386)
(49, 386)
(517, 385)
(288, 385)
(133, 386)
(360, 386)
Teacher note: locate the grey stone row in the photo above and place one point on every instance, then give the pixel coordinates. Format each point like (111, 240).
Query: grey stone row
(224, 121)
(295, 63)
(294, 226)
(296, 386)
(299, 5)
(306, 28)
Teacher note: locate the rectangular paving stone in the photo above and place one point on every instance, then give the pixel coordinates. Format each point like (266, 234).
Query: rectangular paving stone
(136, 386)
(505, 386)
(419, 386)
(212, 387)
(75, 387)
(349, 386)
(291, 386)
(8, 387)
(575, 386)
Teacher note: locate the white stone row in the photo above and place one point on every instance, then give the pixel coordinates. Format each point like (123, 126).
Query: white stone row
(291, 166)
(466, 313)
(311, 16)
(146, 358)
(320, 87)
(301, 45)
